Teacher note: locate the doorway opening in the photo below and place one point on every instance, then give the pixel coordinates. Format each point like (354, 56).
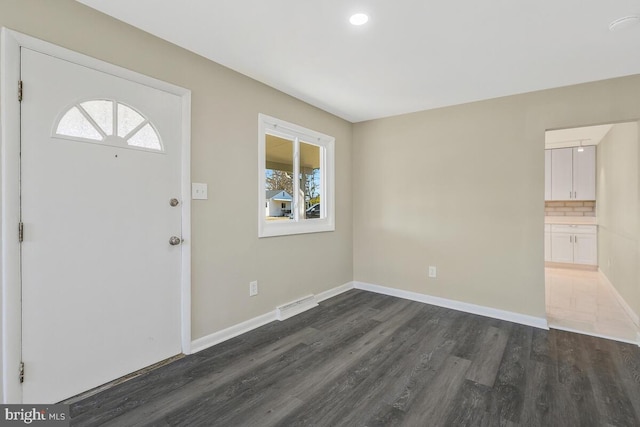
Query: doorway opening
(592, 230)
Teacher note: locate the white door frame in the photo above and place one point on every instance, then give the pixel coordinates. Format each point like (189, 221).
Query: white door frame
(10, 297)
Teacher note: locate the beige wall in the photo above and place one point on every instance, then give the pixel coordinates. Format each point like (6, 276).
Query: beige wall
(416, 176)
(226, 251)
(618, 210)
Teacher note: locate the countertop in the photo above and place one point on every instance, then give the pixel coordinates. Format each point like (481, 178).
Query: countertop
(571, 220)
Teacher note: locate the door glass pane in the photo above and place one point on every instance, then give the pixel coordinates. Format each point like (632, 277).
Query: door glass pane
(101, 112)
(128, 119)
(74, 124)
(146, 137)
(278, 178)
(310, 180)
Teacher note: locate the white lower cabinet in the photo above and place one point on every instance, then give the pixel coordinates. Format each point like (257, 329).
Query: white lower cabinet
(574, 244)
(562, 247)
(585, 249)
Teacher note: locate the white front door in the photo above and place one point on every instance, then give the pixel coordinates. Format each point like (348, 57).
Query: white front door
(100, 162)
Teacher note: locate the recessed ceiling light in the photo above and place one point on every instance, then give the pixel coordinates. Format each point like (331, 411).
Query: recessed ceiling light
(359, 19)
(624, 22)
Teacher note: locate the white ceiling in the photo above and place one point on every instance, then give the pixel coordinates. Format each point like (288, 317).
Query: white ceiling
(586, 135)
(412, 55)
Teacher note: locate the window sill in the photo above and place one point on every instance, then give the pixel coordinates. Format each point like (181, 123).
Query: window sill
(272, 229)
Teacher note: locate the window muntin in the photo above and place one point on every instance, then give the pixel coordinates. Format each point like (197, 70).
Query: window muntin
(298, 162)
(110, 123)
(101, 111)
(76, 124)
(146, 137)
(128, 120)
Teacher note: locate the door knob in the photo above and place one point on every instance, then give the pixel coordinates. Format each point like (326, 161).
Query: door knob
(174, 202)
(175, 240)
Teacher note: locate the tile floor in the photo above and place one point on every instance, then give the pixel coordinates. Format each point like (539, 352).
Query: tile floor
(583, 301)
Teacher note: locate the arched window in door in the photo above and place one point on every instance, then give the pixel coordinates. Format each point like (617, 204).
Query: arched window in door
(109, 122)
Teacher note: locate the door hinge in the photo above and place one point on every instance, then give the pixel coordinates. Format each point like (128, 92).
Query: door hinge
(20, 232)
(20, 91)
(21, 372)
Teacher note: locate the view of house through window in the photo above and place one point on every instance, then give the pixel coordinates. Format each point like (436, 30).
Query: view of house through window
(278, 177)
(281, 166)
(310, 179)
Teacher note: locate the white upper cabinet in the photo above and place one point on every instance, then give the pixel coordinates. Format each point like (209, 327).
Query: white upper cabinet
(562, 174)
(584, 173)
(573, 173)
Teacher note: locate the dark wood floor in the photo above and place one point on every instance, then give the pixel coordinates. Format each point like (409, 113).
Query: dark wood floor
(362, 359)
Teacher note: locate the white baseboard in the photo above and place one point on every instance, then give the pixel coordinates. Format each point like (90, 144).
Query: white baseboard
(251, 324)
(231, 332)
(334, 292)
(632, 314)
(536, 322)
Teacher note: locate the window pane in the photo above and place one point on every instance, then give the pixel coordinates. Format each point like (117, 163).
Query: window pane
(310, 180)
(146, 137)
(101, 112)
(75, 124)
(279, 178)
(128, 119)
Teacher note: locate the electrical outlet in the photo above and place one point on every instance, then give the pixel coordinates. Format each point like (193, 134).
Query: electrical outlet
(253, 288)
(432, 271)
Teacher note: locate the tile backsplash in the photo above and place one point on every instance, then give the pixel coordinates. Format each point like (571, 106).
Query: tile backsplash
(566, 208)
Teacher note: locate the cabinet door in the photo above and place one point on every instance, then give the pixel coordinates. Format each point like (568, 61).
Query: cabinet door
(585, 249)
(547, 174)
(562, 247)
(562, 174)
(584, 173)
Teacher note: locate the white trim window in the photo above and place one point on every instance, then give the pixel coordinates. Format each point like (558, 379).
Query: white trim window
(296, 169)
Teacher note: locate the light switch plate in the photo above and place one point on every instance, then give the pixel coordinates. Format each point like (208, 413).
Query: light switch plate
(199, 191)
